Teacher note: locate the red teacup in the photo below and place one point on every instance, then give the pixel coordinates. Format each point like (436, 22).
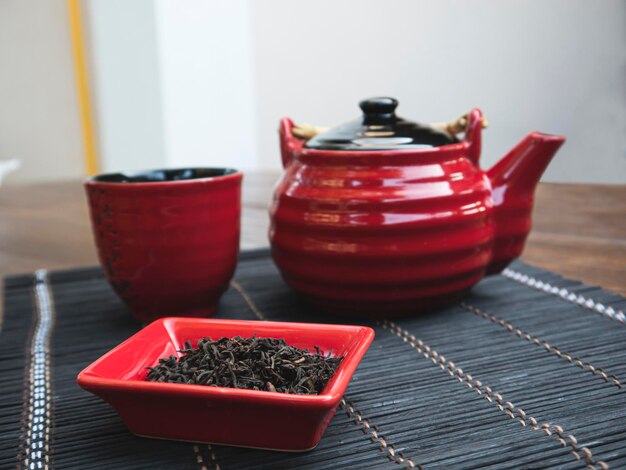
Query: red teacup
(168, 240)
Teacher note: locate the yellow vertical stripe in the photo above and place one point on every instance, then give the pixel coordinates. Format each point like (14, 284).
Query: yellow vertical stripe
(82, 85)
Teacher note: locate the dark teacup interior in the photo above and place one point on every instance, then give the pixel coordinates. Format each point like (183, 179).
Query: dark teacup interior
(161, 176)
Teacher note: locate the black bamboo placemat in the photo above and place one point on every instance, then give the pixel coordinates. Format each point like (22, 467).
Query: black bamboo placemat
(528, 373)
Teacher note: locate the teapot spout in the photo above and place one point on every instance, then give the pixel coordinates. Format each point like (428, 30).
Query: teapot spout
(519, 170)
(513, 181)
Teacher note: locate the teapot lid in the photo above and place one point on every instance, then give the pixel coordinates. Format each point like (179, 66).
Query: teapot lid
(380, 129)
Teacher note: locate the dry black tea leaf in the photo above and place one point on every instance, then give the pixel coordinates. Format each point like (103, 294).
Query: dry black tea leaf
(251, 363)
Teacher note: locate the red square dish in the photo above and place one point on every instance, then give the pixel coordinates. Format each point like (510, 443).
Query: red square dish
(250, 418)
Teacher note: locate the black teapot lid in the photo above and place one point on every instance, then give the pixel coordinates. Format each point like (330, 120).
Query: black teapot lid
(380, 129)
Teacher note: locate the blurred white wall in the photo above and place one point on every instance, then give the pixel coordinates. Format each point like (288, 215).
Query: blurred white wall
(39, 121)
(557, 66)
(127, 84)
(193, 82)
(174, 83)
(207, 83)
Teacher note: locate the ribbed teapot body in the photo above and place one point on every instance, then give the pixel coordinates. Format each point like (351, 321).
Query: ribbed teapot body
(382, 234)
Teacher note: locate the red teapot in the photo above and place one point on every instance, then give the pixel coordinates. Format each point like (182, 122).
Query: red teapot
(386, 217)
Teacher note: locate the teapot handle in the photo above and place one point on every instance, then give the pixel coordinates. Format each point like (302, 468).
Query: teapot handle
(472, 124)
(289, 143)
(473, 134)
(293, 136)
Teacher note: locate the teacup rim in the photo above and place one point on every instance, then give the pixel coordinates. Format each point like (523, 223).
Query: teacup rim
(229, 173)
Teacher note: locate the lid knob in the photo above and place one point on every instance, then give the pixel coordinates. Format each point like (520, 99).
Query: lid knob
(378, 128)
(378, 110)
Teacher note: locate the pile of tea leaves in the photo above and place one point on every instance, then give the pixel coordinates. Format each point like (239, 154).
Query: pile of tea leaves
(252, 363)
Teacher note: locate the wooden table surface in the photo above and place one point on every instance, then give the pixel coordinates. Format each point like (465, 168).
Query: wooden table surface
(579, 230)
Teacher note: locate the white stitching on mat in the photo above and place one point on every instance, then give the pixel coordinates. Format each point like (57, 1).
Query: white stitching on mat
(366, 426)
(564, 294)
(513, 412)
(235, 285)
(610, 379)
(375, 436)
(213, 458)
(199, 459)
(38, 422)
